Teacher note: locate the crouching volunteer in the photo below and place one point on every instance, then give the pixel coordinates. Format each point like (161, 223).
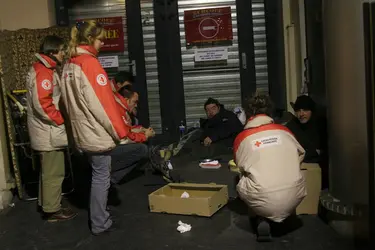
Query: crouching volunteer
(96, 122)
(269, 158)
(46, 127)
(132, 152)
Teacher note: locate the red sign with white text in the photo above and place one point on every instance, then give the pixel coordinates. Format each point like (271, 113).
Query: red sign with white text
(114, 29)
(208, 25)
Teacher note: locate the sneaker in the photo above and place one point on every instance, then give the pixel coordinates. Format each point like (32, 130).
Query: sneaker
(63, 214)
(112, 228)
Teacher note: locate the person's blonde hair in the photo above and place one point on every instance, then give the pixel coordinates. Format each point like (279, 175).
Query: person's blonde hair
(85, 33)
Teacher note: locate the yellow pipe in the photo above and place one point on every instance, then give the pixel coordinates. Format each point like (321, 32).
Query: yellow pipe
(19, 91)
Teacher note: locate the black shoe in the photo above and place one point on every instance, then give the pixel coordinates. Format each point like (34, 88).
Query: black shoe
(113, 199)
(264, 231)
(111, 229)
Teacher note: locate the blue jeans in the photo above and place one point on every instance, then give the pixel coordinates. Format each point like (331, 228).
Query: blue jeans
(100, 182)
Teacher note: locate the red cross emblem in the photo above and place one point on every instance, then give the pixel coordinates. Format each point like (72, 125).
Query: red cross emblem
(46, 84)
(101, 80)
(258, 143)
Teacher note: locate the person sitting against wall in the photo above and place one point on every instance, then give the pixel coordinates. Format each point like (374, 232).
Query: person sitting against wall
(46, 127)
(269, 158)
(310, 129)
(216, 133)
(220, 126)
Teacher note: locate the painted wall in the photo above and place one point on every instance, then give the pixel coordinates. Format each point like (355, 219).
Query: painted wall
(17, 14)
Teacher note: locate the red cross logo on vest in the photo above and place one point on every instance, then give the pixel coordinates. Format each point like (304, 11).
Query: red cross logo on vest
(258, 143)
(46, 84)
(101, 80)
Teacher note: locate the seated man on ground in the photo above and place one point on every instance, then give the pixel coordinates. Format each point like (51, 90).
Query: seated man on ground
(311, 132)
(221, 125)
(217, 131)
(269, 158)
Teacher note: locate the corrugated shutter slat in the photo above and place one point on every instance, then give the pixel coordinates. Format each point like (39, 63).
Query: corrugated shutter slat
(148, 28)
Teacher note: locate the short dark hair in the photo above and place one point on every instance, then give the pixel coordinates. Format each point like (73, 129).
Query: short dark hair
(51, 45)
(257, 105)
(211, 101)
(127, 93)
(124, 76)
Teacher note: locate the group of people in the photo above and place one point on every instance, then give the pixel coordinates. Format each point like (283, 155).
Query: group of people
(83, 104)
(269, 154)
(99, 115)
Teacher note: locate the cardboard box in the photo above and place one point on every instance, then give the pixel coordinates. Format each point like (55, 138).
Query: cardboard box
(204, 200)
(313, 177)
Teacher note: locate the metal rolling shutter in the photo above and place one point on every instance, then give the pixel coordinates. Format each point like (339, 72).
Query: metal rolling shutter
(223, 82)
(109, 8)
(148, 28)
(260, 43)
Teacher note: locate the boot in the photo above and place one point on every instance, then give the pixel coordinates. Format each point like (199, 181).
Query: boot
(263, 230)
(63, 214)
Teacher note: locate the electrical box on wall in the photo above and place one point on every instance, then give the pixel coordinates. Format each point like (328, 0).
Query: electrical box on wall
(61, 13)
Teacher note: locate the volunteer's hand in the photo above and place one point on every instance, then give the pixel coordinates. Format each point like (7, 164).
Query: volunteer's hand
(149, 133)
(207, 141)
(143, 130)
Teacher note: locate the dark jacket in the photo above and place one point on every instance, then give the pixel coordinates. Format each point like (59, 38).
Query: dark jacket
(312, 136)
(222, 127)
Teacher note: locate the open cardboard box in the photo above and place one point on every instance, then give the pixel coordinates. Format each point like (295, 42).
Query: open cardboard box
(313, 178)
(204, 200)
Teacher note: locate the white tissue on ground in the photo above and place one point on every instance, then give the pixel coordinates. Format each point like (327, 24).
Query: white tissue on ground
(185, 195)
(170, 166)
(183, 227)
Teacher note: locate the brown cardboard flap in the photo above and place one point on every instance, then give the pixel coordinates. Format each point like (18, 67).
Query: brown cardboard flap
(309, 166)
(312, 175)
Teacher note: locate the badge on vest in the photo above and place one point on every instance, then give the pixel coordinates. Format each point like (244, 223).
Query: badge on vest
(101, 80)
(46, 84)
(266, 142)
(68, 74)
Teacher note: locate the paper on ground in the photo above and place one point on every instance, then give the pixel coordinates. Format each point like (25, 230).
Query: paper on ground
(170, 166)
(183, 227)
